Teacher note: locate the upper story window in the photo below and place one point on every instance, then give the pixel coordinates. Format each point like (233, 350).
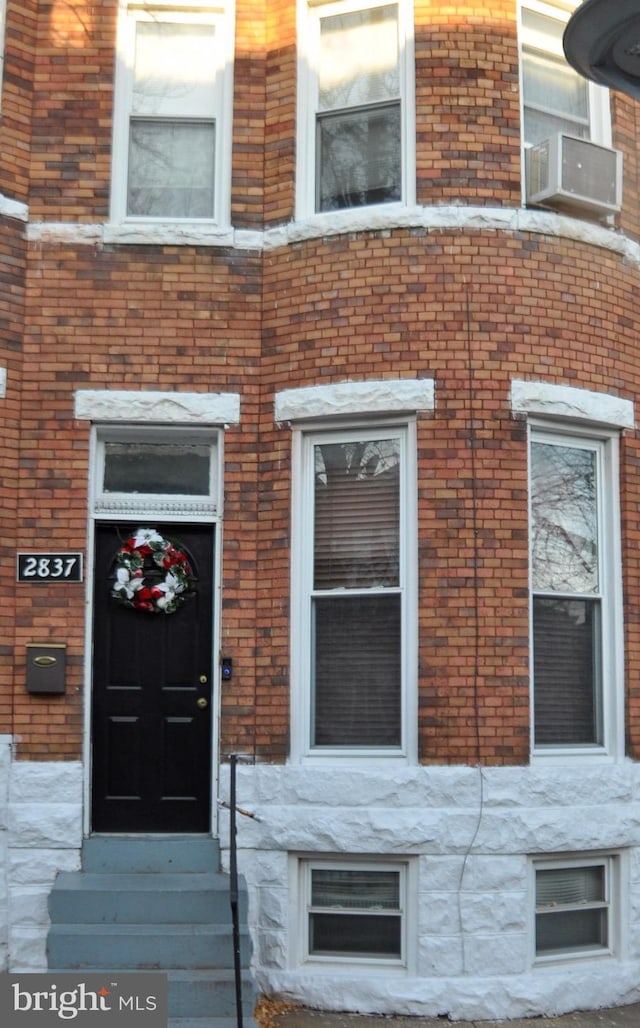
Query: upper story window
(555, 98)
(173, 114)
(355, 73)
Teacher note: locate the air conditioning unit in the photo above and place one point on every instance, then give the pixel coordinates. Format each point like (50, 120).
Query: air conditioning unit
(569, 173)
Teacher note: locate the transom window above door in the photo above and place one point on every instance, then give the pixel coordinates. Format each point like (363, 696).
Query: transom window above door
(173, 114)
(156, 470)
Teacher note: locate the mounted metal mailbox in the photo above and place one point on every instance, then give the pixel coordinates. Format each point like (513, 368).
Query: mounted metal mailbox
(46, 663)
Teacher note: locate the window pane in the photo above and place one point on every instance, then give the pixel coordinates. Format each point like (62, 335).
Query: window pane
(556, 98)
(553, 85)
(163, 468)
(358, 62)
(348, 935)
(359, 158)
(564, 519)
(171, 169)
(570, 885)
(567, 930)
(174, 69)
(356, 671)
(539, 125)
(357, 500)
(566, 668)
(355, 890)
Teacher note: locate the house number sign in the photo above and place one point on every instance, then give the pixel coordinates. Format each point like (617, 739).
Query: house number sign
(49, 567)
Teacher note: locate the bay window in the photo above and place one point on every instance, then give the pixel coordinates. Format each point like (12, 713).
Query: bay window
(575, 611)
(354, 586)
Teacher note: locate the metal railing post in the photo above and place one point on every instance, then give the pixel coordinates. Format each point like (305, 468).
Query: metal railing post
(233, 888)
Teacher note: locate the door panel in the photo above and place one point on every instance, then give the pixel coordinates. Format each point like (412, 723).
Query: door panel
(151, 737)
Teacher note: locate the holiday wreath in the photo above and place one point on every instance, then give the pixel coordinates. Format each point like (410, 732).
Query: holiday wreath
(151, 573)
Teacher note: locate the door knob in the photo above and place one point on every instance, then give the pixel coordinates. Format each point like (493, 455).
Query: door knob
(202, 702)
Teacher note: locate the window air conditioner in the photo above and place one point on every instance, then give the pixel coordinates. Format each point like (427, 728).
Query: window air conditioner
(574, 174)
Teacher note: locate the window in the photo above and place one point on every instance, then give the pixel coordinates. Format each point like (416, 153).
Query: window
(556, 98)
(159, 469)
(171, 140)
(574, 908)
(353, 135)
(575, 591)
(352, 622)
(353, 912)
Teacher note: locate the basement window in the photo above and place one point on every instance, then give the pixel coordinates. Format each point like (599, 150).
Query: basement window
(575, 909)
(354, 912)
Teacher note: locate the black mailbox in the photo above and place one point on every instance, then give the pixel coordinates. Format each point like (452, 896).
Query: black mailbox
(46, 667)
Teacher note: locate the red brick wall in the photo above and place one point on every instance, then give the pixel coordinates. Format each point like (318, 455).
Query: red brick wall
(467, 103)
(537, 309)
(473, 309)
(17, 91)
(12, 267)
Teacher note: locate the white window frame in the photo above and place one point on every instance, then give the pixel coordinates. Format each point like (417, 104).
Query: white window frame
(605, 444)
(300, 909)
(304, 439)
(222, 15)
(613, 864)
(308, 33)
(599, 97)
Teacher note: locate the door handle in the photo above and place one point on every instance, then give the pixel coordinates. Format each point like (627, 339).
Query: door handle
(202, 702)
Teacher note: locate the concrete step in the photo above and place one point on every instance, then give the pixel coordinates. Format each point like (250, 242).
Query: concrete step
(81, 897)
(114, 854)
(201, 994)
(138, 947)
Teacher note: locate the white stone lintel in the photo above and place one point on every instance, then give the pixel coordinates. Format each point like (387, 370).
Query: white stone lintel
(561, 401)
(382, 396)
(13, 208)
(109, 405)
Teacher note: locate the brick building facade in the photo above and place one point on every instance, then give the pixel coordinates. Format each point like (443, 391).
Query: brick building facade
(428, 794)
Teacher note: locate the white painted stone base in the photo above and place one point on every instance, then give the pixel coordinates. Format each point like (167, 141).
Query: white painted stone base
(470, 834)
(40, 834)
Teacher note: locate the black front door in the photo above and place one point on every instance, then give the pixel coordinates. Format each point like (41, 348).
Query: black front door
(151, 738)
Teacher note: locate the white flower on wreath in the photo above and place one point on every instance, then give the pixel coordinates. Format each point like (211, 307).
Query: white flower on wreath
(148, 536)
(170, 587)
(126, 584)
